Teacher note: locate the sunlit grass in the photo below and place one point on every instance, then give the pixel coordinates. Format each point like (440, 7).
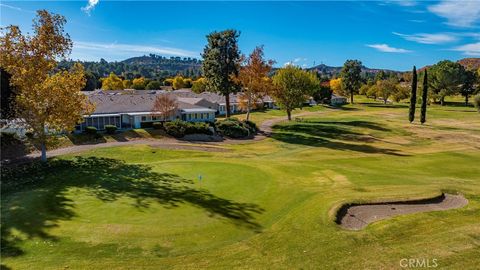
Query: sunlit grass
(267, 204)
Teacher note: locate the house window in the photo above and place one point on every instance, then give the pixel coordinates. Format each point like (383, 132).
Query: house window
(144, 118)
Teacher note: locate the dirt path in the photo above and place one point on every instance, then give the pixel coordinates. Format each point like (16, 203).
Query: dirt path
(266, 126)
(167, 143)
(357, 217)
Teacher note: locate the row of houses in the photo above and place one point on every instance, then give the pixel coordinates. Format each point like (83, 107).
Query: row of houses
(128, 109)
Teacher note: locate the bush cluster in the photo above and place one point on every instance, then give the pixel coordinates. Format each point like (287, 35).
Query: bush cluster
(234, 128)
(91, 130)
(7, 138)
(157, 125)
(179, 128)
(110, 129)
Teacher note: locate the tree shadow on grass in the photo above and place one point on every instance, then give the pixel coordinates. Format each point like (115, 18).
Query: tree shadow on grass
(334, 135)
(382, 105)
(341, 107)
(355, 123)
(34, 200)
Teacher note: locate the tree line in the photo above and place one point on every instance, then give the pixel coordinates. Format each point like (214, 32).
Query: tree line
(152, 67)
(446, 78)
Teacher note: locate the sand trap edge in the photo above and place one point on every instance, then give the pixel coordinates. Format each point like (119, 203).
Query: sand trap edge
(342, 211)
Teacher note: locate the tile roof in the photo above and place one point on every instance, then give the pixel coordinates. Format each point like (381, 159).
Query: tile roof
(118, 101)
(126, 103)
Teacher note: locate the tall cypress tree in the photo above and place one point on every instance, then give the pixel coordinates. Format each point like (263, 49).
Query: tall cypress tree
(423, 116)
(413, 96)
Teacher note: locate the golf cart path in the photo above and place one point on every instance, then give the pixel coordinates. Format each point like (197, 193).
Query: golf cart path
(171, 143)
(358, 216)
(266, 126)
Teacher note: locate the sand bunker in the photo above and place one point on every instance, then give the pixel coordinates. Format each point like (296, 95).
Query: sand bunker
(358, 216)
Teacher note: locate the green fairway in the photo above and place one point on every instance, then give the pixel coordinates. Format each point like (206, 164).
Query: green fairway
(267, 204)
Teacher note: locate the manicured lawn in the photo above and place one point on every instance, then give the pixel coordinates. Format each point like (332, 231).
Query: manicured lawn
(267, 204)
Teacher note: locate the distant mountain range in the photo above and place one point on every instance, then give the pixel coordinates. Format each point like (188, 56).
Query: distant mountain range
(329, 70)
(470, 63)
(173, 64)
(467, 63)
(159, 67)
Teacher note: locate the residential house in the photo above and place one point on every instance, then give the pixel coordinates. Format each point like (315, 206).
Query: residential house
(127, 110)
(337, 100)
(130, 108)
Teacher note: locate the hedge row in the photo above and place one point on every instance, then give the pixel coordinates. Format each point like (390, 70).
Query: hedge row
(179, 128)
(229, 127)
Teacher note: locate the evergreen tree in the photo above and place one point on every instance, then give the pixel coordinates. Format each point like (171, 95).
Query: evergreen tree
(413, 96)
(423, 116)
(221, 63)
(351, 78)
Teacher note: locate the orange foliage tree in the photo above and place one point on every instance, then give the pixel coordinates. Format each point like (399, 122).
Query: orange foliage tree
(46, 101)
(253, 76)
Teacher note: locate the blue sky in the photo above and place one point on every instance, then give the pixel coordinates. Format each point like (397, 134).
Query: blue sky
(382, 34)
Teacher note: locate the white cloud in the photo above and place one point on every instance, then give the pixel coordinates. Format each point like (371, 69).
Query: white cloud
(288, 64)
(299, 59)
(386, 48)
(129, 49)
(90, 6)
(417, 21)
(472, 49)
(403, 3)
(406, 3)
(428, 38)
(458, 13)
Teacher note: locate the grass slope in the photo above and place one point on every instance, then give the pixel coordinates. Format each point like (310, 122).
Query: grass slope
(259, 205)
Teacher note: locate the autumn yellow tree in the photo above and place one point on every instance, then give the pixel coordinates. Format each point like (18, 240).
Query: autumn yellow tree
(112, 82)
(199, 85)
(127, 84)
(47, 102)
(336, 86)
(178, 82)
(168, 82)
(165, 106)
(253, 77)
(139, 83)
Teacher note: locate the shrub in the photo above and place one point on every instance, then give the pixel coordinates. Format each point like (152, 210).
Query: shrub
(176, 128)
(110, 129)
(146, 124)
(179, 128)
(252, 127)
(198, 128)
(91, 130)
(7, 138)
(157, 125)
(476, 102)
(233, 128)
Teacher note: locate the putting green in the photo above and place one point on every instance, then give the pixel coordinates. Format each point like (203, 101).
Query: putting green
(267, 204)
